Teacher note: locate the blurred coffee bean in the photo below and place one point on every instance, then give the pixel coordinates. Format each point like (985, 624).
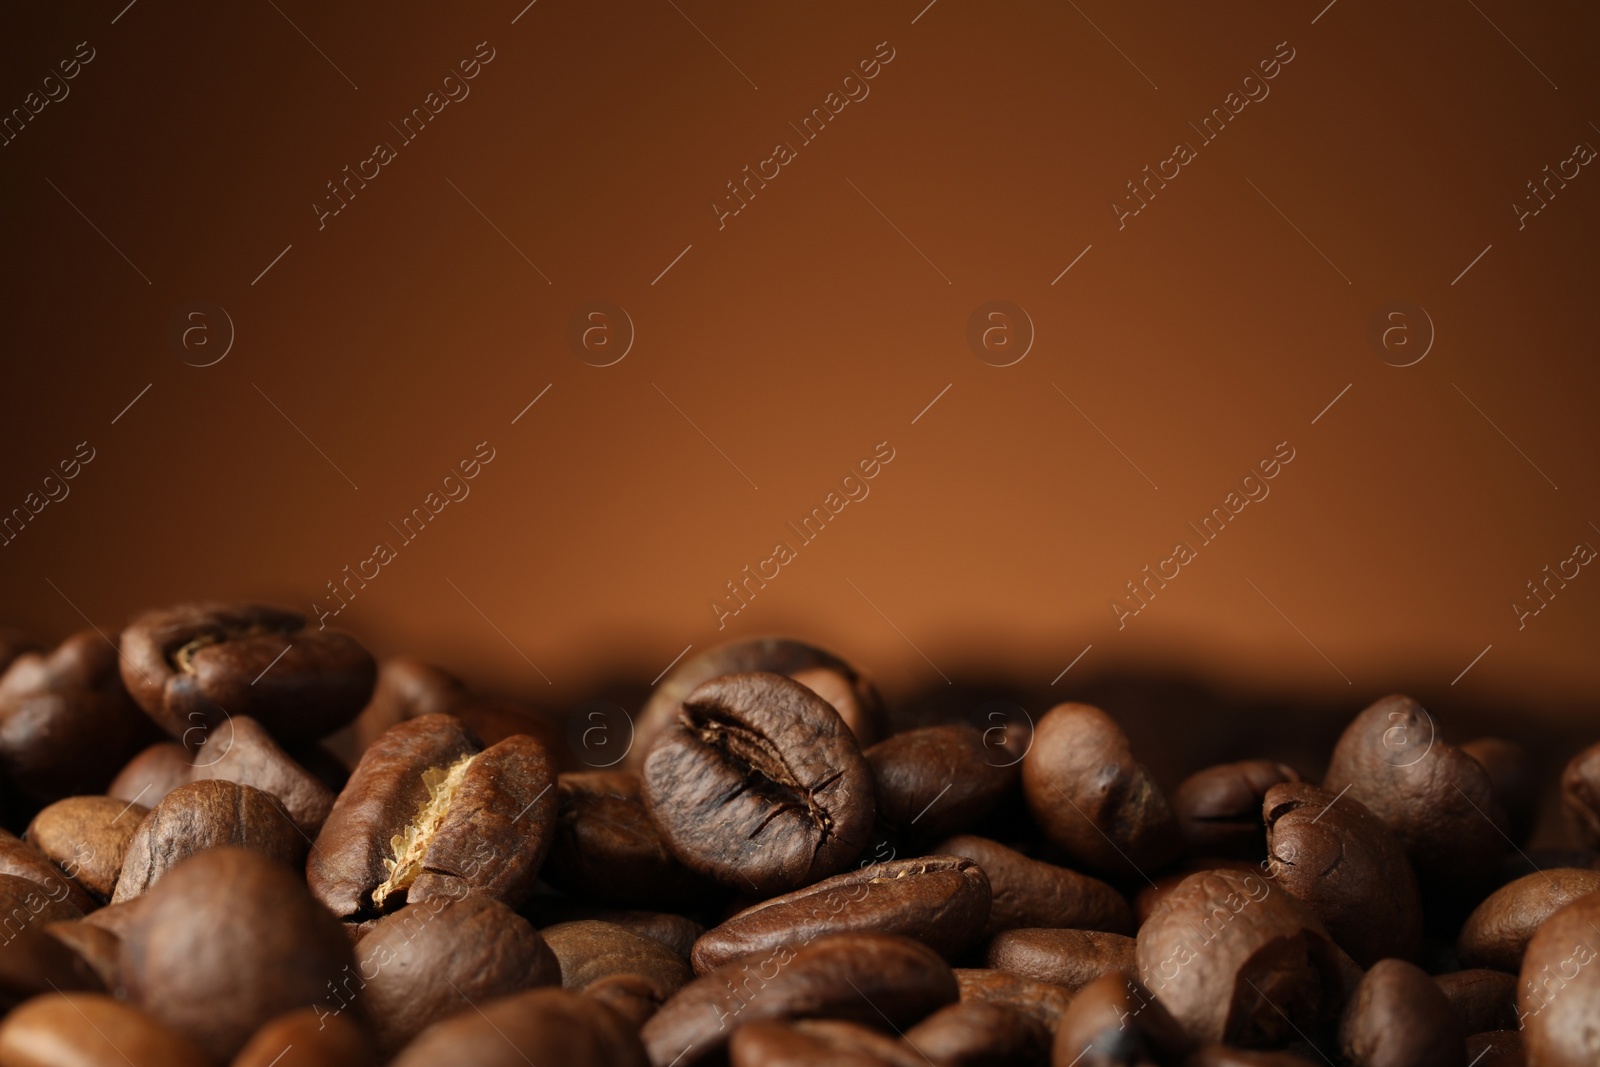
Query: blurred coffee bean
(33, 963)
(1397, 1017)
(201, 816)
(760, 784)
(227, 940)
(1580, 794)
(938, 780)
(634, 997)
(1511, 773)
(977, 1033)
(1348, 867)
(303, 1039)
(66, 723)
(1093, 799)
(1069, 958)
(1219, 809)
(26, 904)
(23, 860)
(818, 1043)
(192, 666)
(1044, 1001)
(87, 837)
(1558, 995)
(152, 774)
(91, 1030)
(539, 1026)
(1498, 930)
(1482, 999)
(676, 932)
(1116, 1022)
(590, 951)
(1227, 1056)
(13, 643)
(1496, 1048)
(95, 946)
(1031, 893)
(607, 848)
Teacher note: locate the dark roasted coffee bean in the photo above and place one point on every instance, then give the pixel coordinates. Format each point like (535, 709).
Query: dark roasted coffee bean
(760, 784)
(87, 837)
(1219, 809)
(32, 963)
(66, 723)
(303, 1039)
(589, 951)
(1145, 901)
(676, 932)
(1348, 867)
(862, 977)
(427, 813)
(241, 751)
(21, 859)
(1227, 1056)
(1483, 999)
(1237, 960)
(1558, 994)
(846, 690)
(539, 1026)
(1437, 799)
(193, 665)
(1498, 930)
(152, 774)
(1093, 799)
(226, 941)
(428, 961)
(1496, 1048)
(942, 901)
(1398, 1017)
(1070, 958)
(938, 780)
(1580, 793)
(976, 1033)
(1511, 773)
(200, 816)
(1045, 1001)
(635, 997)
(97, 947)
(607, 848)
(818, 1043)
(1116, 1022)
(1032, 893)
(91, 1030)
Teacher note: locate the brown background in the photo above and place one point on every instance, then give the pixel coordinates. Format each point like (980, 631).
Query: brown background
(810, 328)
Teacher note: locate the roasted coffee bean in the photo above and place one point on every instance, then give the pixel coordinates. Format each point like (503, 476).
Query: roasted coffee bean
(91, 1030)
(115, 918)
(66, 723)
(589, 951)
(1219, 809)
(1482, 999)
(25, 903)
(1145, 901)
(97, 947)
(1498, 930)
(200, 816)
(818, 1043)
(1227, 1056)
(760, 785)
(1093, 799)
(1070, 958)
(21, 859)
(976, 1033)
(1397, 1017)
(868, 978)
(635, 997)
(1437, 799)
(1045, 1001)
(1348, 867)
(1511, 774)
(539, 1026)
(676, 932)
(428, 814)
(152, 774)
(1116, 1022)
(607, 848)
(1237, 960)
(430, 960)
(87, 837)
(241, 751)
(32, 962)
(192, 666)
(1496, 1048)
(846, 690)
(227, 940)
(1580, 793)
(938, 780)
(942, 901)
(1032, 893)
(304, 1038)
(1558, 995)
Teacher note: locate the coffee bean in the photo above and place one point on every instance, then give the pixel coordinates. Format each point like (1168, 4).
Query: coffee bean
(760, 785)
(1044, 1001)
(303, 1039)
(818, 1042)
(1558, 994)
(115, 918)
(428, 813)
(87, 837)
(1219, 809)
(1093, 799)
(1496, 1048)
(977, 1033)
(200, 816)
(1580, 793)
(95, 946)
(152, 774)
(1437, 799)
(1511, 773)
(634, 997)
(193, 665)
(841, 685)
(1116, 1022)
(1070, 958)
(1348, 867)
(1032, 893)
(607, 848)
(1397, 1017)
(32, 962)
(1227, 1056)
(590, 951)
(676, 932)
(1498, 930)
(539, 1026)
(22, 860)
(938, 780)
(91, 1030)
(227, 940)
(25, 904)
(861, 977)
(428, 961)
(1237, 960)
(241, 751)
(66, 723)
(1145, 901)
(1482, 999)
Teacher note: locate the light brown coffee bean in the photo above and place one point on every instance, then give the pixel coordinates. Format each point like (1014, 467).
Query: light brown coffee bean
(1558, 994)
(1045, 1001)
(1069, 958)
(1398, 1017)
(1498, 930)
(304, 1038)
(87, 837)
(1031, 893)
(91, 1030)
(539, 1026)
(1482, 999)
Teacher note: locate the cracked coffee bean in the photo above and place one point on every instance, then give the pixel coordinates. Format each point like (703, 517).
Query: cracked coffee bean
(938, 780)
(1397, 1017)
(1497, 932)
(1068, 958)
(192, 666)
(760, 785)
(88, 838)
(1219, 809)
(1031, 893)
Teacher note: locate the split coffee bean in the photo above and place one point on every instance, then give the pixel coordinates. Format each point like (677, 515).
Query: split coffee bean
(1398, 1017)
(1069, 958)
(1219, 809)
(1498, 930)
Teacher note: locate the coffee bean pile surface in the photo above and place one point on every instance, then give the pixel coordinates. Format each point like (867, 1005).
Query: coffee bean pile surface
(239, 842)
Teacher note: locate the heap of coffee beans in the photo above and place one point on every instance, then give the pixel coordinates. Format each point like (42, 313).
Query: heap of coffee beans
(241, 842)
